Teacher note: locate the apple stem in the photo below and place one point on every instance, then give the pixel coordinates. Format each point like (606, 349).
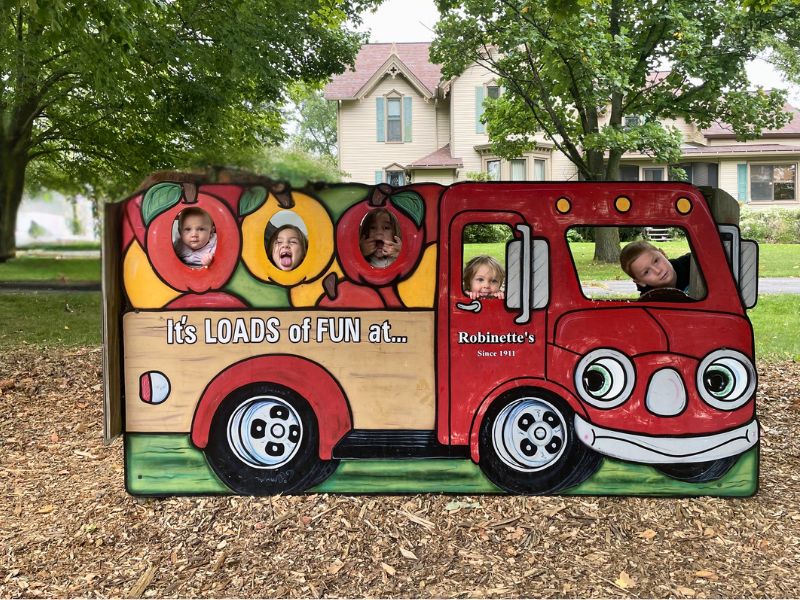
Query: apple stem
(189, 192)
(329, 284)
(380, 194)
(283, 194)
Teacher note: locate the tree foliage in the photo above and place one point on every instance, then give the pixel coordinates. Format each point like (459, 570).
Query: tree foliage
(572, 71)
(96, 93)
(313, 119)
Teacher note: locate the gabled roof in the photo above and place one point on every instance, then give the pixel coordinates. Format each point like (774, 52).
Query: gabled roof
(720, 131)
(741, 149)
(374, 60)
(441, 158)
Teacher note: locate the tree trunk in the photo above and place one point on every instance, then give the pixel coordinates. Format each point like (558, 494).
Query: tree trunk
(606, 244)
(12, 184)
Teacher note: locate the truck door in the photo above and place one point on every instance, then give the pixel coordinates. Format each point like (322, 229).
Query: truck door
(491, 341)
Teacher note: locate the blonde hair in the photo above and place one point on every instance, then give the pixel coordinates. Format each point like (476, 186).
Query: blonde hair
(633, 251)
(480, 261)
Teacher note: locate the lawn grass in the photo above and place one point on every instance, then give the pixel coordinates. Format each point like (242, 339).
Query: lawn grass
(47, 319)
(776, 323)
(775, 260)
(41, 268)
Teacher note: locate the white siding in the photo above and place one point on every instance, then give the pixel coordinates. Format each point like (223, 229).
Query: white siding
(443, 176)
(443, 123)
(727, 176)
(462, 117)
(360, 155)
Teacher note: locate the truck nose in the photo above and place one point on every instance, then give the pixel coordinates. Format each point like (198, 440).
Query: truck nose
(666, 394)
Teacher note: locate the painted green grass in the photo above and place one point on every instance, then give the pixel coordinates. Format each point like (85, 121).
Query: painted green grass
(47, 319)
(168, 464)
(775, 260)
(41, 268)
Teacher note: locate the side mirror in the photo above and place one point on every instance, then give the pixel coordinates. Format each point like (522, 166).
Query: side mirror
(527, 274)
(748, 273)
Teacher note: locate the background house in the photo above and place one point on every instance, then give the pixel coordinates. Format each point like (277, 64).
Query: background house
(399, 122)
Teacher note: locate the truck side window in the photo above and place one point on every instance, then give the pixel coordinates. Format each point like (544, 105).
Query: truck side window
(652, 259)
(484, 248)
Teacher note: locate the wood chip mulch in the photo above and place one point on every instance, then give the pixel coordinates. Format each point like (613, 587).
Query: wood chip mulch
(69, 529)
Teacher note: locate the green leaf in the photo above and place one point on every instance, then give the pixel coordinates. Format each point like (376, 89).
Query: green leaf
(252, 200)
(160, 198)
(411, 205)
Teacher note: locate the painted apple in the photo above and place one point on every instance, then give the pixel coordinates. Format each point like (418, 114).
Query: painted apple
(409, 209)
(346, 294)
(161, 205)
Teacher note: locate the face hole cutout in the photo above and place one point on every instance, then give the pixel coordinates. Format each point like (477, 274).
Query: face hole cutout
(194, 237)
(379, 238)
(484, 246)
(286, 240)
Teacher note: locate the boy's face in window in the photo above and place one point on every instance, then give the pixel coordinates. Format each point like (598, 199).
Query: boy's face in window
(485, 281)
(380, 230)
(651, 268)
(195, 231)
(287, 250)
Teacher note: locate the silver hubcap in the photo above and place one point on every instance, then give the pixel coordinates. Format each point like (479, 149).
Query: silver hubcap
(529, 434)
(265, 432)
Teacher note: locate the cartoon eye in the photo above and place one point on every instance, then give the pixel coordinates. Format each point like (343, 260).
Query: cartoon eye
(604, 378)
(726, 379)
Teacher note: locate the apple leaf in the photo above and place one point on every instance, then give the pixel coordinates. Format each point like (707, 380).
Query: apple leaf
(410, 204)
(160, 198)
(251, 200)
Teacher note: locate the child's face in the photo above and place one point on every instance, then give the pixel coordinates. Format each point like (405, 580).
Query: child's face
(195, 231)
(381, 231)
(651, 268)
(485, 281)
(287, 250)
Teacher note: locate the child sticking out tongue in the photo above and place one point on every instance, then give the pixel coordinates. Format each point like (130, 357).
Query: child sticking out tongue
(287, 247)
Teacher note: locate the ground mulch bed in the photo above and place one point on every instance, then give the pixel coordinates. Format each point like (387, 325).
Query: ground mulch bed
(68, 528)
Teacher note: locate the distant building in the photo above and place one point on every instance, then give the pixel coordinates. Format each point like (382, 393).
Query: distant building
(52, 218)
(399, 122)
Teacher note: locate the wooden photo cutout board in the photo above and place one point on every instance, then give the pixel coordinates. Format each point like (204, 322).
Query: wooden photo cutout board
(332, 344)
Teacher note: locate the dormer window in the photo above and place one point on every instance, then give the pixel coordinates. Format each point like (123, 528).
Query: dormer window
(394, 120)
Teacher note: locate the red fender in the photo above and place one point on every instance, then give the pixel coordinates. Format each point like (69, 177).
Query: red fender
(549, 386)
(305, 377)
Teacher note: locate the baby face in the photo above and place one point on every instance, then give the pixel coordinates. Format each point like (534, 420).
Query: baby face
(381, 231)
(287, 250)
(485, 281)
(651, 268)
(195, 231)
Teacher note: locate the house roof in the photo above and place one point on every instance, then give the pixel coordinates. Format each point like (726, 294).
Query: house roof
(740, 149)
(791, 129)
(373, 58)
(439, 158)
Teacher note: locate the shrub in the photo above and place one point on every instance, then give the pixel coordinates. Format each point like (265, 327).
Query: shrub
(486, 233)
(771, 226)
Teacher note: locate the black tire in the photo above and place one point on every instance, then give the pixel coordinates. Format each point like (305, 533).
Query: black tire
(699, 472)
(528, 444)
(264, 440)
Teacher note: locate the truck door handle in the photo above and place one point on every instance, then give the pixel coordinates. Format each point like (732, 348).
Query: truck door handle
(474, 306)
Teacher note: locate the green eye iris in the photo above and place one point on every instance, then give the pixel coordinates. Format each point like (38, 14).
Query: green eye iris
(719, 381)
(597, 380)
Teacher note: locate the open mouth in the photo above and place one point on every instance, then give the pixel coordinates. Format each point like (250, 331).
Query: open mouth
(285, 258)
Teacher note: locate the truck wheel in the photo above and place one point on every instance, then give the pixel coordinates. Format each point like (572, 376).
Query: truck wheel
(528, 444)
(264, 440)
(699, 472)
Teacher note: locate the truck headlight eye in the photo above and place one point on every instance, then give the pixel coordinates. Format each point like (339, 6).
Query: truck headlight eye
(604, 378)
(726, 379)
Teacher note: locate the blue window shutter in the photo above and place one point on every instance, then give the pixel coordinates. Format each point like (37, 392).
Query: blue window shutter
(479, 93)
(380, 120)
(378, 176)
(406, 118)
(741, 180)
(402, 179)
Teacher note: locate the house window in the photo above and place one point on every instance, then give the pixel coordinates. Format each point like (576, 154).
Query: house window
(629, 173)
(394, 120)
(395, 178)
(493, 169)
(653, 174)
(632, 121)
(538, 170)
(518, 170)
(493, 91)
(772, 182)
